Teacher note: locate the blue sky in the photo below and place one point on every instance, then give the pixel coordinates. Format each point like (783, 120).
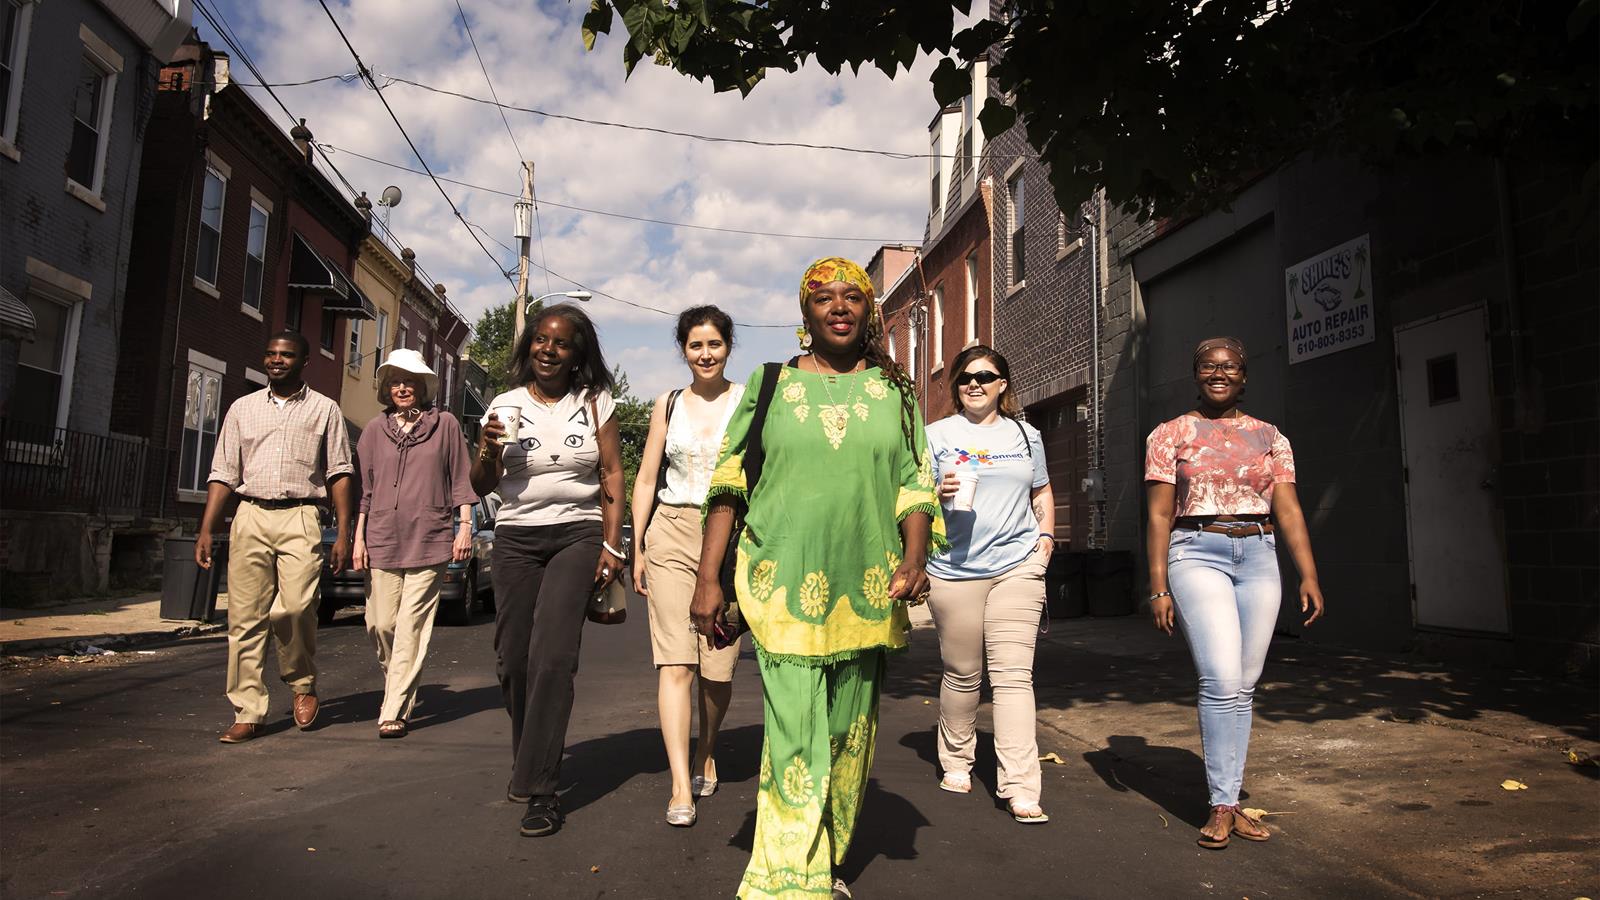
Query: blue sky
(534, 53)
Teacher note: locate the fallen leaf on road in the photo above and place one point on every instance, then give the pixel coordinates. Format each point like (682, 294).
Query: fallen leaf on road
(926, 702)
(594, 869)
(1262, 814)
(1163, 819)
(311, 849)
(1575, 759)
(1052, 757)
(1512, 784)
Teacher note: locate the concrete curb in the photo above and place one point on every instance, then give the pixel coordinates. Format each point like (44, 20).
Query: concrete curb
(40, 647)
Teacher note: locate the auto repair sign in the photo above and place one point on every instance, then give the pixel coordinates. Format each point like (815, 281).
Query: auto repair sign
(1330, 301)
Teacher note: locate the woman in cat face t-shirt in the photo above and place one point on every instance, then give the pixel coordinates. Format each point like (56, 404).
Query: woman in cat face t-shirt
(558, 536)
(1220, 491)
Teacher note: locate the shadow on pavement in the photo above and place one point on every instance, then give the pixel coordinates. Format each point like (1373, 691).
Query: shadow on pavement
(1167, 776)
(1087, 661)
(924, 742)
(887, 827)
(595, 768)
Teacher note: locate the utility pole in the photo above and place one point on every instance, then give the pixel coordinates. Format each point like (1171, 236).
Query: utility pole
(524, 246)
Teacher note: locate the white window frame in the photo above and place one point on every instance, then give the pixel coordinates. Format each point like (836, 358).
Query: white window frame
(19, 67)
(377, 343)
(936, 202)
(1016, 229)
(443, 400)
(970, 333)
(936, 328)
(55, 286)
(246, 306)
(99, 54)
(916, 359)
(211, 371)
(352, 352)
(222, 208)
(400, 336)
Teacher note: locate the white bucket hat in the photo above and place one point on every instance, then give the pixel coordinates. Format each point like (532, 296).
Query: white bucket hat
(408, 362)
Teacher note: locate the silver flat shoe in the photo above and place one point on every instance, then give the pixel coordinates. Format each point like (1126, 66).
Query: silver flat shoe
(681, 816)
(701, 786)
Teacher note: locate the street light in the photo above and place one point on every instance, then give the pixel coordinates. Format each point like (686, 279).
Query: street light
(570, 295)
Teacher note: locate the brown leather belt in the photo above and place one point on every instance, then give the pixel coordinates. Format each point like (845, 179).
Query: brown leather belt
(289, 503)
(1234, 529)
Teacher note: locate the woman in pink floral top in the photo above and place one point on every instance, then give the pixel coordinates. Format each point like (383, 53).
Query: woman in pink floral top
(1220, 492)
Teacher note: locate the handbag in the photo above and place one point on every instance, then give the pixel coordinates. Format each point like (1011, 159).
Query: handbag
(610, 605)
(754, 455)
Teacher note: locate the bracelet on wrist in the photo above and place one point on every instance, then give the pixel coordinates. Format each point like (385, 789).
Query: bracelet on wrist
(612, 550)
(1158, 595)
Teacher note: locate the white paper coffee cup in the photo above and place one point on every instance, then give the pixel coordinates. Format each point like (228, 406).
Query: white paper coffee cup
(510, 417)
(966, 490)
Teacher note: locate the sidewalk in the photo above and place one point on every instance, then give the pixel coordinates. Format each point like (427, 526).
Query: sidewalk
(106, 624)
(1393, 768)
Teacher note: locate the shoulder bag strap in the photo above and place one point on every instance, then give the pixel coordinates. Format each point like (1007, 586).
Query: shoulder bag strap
(754, 453)
(661, 471)
(1027, 444)
(599, 466)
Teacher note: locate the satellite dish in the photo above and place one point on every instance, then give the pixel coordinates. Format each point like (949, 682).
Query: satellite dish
(391, 197)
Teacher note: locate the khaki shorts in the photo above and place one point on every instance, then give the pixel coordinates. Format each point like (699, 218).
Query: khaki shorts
(672, 555)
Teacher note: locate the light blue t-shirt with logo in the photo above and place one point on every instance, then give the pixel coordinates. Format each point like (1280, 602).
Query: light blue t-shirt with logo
(1000, 531)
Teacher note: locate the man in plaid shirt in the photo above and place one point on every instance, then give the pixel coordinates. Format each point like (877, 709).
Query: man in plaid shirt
(283, 450)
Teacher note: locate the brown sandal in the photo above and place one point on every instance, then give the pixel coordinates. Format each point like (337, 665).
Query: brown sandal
(1220, 816)
(395, 728)
(1256, 831)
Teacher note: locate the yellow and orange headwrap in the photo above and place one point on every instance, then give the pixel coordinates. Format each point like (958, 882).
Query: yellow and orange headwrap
(837, 268)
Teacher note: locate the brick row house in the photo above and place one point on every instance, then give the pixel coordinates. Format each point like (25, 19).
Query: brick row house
(76, 83)
(1426, 336)
(238, 236)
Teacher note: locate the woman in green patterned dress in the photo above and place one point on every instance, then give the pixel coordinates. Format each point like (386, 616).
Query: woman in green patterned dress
(837, 533)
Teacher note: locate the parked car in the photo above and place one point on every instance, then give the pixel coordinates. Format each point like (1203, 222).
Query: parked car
(467, 582)
(337, 591)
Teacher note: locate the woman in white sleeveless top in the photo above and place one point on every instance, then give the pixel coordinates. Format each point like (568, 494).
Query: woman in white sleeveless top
(674, 474)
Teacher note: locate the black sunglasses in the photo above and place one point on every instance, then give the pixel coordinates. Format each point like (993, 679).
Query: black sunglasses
(984, 377)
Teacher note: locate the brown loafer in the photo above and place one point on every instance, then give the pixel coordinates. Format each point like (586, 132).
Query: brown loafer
(305, 710)
(240, 732)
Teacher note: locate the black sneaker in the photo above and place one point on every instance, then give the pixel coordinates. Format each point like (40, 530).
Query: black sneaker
(542, 819)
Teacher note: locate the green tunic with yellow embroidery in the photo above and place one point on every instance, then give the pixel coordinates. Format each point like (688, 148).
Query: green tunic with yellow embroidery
(822, 535)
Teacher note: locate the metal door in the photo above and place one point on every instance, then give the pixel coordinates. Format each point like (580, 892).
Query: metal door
(1451, 450)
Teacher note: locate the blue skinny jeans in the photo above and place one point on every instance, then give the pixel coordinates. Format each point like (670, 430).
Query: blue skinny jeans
(1226, 591)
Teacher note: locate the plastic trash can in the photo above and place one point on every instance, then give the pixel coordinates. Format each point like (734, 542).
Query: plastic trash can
(1109, 575)
(188, 591)
(1064, 592)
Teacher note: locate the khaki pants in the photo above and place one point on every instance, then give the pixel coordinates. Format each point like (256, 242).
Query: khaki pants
(274, 564)
(995, 619)
(400, 608)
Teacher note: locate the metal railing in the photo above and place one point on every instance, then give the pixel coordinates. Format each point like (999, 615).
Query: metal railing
(47, 468)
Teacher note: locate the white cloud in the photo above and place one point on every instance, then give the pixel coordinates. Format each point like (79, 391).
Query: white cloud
(535, 54)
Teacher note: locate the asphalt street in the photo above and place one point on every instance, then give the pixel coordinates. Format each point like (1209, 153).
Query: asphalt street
(114, 785)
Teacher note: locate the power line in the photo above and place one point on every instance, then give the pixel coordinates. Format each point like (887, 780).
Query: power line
(633, 218)
(707, 138)
(539, 228)
(366, 74)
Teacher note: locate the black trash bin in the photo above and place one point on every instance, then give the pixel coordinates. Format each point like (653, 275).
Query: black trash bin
(1063, 585)
(188, 591)
(1109, 575)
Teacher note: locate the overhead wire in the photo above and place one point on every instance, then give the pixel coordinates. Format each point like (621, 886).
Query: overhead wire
(521, 159)
(616, 215)
(224, 29)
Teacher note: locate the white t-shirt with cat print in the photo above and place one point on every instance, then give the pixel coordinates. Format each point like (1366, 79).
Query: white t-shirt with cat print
(552, 471)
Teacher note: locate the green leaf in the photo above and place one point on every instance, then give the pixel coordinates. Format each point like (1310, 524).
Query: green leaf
(996, 117)
(950, 82)
(596, 21)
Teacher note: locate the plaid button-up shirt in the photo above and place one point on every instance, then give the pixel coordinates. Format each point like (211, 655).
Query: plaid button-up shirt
(272, 453)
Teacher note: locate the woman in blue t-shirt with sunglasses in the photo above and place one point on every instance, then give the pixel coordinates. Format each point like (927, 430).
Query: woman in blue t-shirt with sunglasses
(988, 591)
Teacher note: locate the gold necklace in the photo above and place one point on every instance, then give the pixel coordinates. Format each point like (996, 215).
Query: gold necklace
(835, 417)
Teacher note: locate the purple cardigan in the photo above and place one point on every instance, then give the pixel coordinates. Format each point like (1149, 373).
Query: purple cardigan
(411, 484)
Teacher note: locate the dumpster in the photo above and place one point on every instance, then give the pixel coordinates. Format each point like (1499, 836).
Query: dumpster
(188, 591)
(1063, 585)
(1109, 578)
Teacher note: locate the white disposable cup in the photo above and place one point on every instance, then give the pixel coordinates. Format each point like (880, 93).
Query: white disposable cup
(510, 417)
(966, 490)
